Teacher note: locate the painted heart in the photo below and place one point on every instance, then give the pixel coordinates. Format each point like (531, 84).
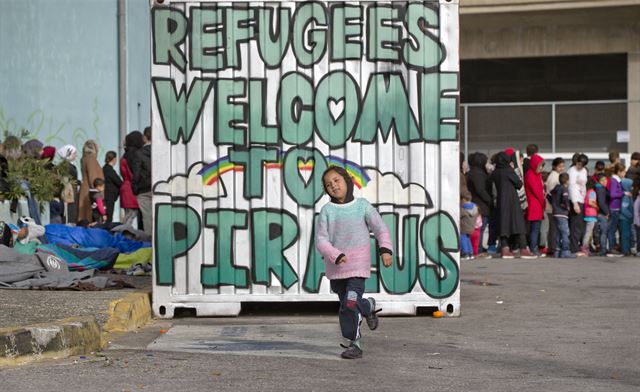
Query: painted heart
(336, 108)
(305, 169)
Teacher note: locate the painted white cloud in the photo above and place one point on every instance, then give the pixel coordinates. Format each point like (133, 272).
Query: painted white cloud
(181, 186)
(388, 189)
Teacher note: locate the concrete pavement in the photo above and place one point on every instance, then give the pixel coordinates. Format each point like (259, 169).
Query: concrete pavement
(540, 325)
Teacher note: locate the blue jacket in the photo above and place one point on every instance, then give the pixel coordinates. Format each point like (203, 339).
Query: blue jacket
(626, 209)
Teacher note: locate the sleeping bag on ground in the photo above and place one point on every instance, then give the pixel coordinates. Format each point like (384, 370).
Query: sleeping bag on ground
(91, 238)
(77, 259)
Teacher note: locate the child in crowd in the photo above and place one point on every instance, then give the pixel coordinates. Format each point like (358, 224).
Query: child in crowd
(615, 203)
(577, 193)
(96, 195)
(342, 238)
(626, 217)
(535, 199)
(602, 198)
(113, 182)
(590, 214)
(544, 227)
(561, 205)
(552, 181)
(468, 217)
(475, 237)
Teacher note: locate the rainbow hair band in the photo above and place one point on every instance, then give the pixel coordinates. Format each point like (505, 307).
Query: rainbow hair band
(211, 172)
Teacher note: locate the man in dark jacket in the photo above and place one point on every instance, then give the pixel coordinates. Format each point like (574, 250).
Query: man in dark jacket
(481, 190)
(141, 182)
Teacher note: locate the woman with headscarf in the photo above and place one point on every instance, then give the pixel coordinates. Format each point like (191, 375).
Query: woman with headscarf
(510, 220)
(68, 154)
(91, 170)
(132, 143)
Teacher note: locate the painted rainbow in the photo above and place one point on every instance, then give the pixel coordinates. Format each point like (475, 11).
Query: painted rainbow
(211, 172)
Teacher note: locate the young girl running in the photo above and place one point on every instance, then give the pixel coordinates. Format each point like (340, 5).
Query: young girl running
(342, 238)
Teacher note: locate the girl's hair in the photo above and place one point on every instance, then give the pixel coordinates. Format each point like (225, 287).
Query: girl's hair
(98, 182)
(564, 178)
(109, 156)
(583, 159)
(134, 139)
(591, 184)
(618, 167)
(557, 162)
(600, 165)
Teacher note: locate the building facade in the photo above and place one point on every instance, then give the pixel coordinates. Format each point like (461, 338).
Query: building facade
(564, 74)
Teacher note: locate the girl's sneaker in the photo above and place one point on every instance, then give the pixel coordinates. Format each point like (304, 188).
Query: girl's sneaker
(372, 318)
(351, 352)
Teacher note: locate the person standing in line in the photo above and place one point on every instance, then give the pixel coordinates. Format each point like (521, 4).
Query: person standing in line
(577, 193)
(343, 239)
(615, 204)
(557, 168)
(535, 199)
(561, 206)
(530, 150)
(91, 170)
(112, 184)
(602, 197)
(636, 211)
(626, 217)
(141, 185)
(481, 191)
(510, 218)
(132, 143)
(590, 215)
(468, 216)
(68, 154)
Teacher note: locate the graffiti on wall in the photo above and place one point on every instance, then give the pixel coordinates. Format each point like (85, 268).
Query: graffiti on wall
(334, 80)
(50, 129)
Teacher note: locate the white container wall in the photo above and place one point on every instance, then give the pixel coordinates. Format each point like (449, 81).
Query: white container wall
(251, 102)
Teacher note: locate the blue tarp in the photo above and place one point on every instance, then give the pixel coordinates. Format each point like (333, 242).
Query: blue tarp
(91, 238)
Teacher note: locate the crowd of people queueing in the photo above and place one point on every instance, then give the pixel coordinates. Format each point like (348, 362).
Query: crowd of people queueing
(93, 202)
(511, 206)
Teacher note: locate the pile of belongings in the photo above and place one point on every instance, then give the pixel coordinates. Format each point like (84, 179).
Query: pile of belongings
(76, 249)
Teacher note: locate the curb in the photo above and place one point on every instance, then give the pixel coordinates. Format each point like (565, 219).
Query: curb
(75, 335)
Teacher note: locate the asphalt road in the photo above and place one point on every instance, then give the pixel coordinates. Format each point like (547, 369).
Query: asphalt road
(542, 325)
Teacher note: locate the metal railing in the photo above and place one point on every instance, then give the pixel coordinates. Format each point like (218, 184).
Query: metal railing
(590, 125)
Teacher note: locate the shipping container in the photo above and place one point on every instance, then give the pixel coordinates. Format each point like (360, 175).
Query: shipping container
(252, 101)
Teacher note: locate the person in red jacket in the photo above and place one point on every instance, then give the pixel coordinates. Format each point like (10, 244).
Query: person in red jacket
(534, 188)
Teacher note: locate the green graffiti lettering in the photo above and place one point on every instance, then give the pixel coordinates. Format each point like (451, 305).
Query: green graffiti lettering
(229, 114)
(253, 160)
(372, 284)
(386, 105)
(273, 45)
(423, 50)
(238, 31)
(207, 47)
(273, 233)
(224, 271)
(337, 106)
(177, 230)
(295, 108)
(314, 38)
(346, 33)
(259, 131)
(399, 279)
(169, 31)
(306, 194)
(315, 269)
(383, 39)
(180, 112)
(439, 238)
(434, 107)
